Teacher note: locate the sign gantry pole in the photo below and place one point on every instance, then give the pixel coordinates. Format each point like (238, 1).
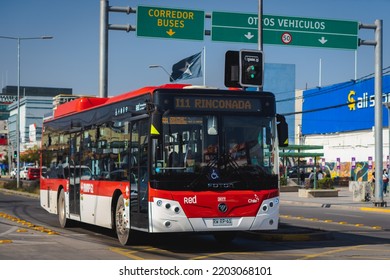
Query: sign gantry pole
(103, 50)
(103, 41)
(260, 32)
(378, 107)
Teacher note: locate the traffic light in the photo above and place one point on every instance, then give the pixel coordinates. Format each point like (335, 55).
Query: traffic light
(15, 154)
(231, 69)
(251, 68)
(282, 130)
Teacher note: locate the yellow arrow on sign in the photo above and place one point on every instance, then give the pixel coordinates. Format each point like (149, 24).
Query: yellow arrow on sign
(170, 32)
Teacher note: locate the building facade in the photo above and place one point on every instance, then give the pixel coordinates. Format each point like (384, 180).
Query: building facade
(341, 118)
(32, 110)
(34, 103)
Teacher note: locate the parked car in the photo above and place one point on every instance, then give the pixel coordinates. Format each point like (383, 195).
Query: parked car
(13, 173)
(29, 173)
(33, 173)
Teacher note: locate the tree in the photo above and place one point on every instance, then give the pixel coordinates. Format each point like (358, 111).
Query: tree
(31, 155)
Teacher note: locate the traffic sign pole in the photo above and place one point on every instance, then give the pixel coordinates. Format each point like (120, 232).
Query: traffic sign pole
(260, 26)
(260, 33)
(378, 108)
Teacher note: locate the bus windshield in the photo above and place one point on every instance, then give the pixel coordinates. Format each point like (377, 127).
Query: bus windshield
(213, 152)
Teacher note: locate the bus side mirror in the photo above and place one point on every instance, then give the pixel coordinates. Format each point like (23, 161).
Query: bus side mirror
(282, 129)
(156, 124)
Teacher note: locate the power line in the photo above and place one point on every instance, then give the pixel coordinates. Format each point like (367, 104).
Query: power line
(322, 108)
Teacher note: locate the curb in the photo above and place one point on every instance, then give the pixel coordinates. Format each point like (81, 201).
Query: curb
(375, 209)
(337, 206)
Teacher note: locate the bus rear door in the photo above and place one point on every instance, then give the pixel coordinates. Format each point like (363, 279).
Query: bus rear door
(74, 175)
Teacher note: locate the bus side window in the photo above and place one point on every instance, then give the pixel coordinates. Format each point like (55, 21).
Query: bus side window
(94, 154)
(103, 152)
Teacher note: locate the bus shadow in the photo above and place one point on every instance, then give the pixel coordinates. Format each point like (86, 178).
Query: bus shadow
(267, 245)
(290, 239)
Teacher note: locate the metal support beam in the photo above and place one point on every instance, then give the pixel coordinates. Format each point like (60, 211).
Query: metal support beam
(125, 27)
(103, 50)
(260, 32)
(103, 43)
(367, 43)
(127, 10)
(260, 26)
(367, 26)
(378, 115)
(378, 107)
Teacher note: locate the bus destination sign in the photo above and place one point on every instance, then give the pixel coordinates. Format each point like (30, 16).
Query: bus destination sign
(217, 104)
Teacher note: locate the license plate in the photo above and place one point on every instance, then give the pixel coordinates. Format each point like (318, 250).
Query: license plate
(222, 222)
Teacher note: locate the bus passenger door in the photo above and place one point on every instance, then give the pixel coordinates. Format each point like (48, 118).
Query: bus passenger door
(74, 174)
(139, 150)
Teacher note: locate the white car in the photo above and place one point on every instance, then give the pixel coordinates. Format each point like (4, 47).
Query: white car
(23, 172)
(13, 173)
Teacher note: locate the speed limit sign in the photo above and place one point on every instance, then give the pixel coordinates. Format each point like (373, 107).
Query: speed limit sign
(286, 38)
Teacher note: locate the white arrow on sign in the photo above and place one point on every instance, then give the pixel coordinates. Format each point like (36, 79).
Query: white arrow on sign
(249, 35)
(323, 40)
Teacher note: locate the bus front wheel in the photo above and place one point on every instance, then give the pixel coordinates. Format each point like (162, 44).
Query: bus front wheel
(121, 221)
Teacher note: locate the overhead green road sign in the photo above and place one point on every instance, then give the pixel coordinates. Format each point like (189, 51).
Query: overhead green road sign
(335, 41)
(294, 31)
(170, 23)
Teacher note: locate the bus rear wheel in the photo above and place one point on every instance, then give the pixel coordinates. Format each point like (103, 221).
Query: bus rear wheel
(121, 221)
(61, 209)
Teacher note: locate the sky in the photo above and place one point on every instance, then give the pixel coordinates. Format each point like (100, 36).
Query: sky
(71, 58)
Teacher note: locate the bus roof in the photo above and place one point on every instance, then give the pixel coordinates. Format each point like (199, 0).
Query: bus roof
(78, 105)
(85, 103)
(144, 90)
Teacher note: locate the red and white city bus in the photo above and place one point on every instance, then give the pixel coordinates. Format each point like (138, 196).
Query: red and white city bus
(166, 159)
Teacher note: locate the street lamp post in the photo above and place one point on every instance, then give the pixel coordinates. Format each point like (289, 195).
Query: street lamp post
(18, 39)
(162, 67)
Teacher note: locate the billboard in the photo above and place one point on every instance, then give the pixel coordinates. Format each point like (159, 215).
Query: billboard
(343, 107)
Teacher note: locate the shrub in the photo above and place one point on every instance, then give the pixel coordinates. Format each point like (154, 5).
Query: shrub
(283, 181)
(30, 187)
(325, 183)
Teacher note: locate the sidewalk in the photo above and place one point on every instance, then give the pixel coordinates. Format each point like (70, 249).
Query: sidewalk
(344, 200)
